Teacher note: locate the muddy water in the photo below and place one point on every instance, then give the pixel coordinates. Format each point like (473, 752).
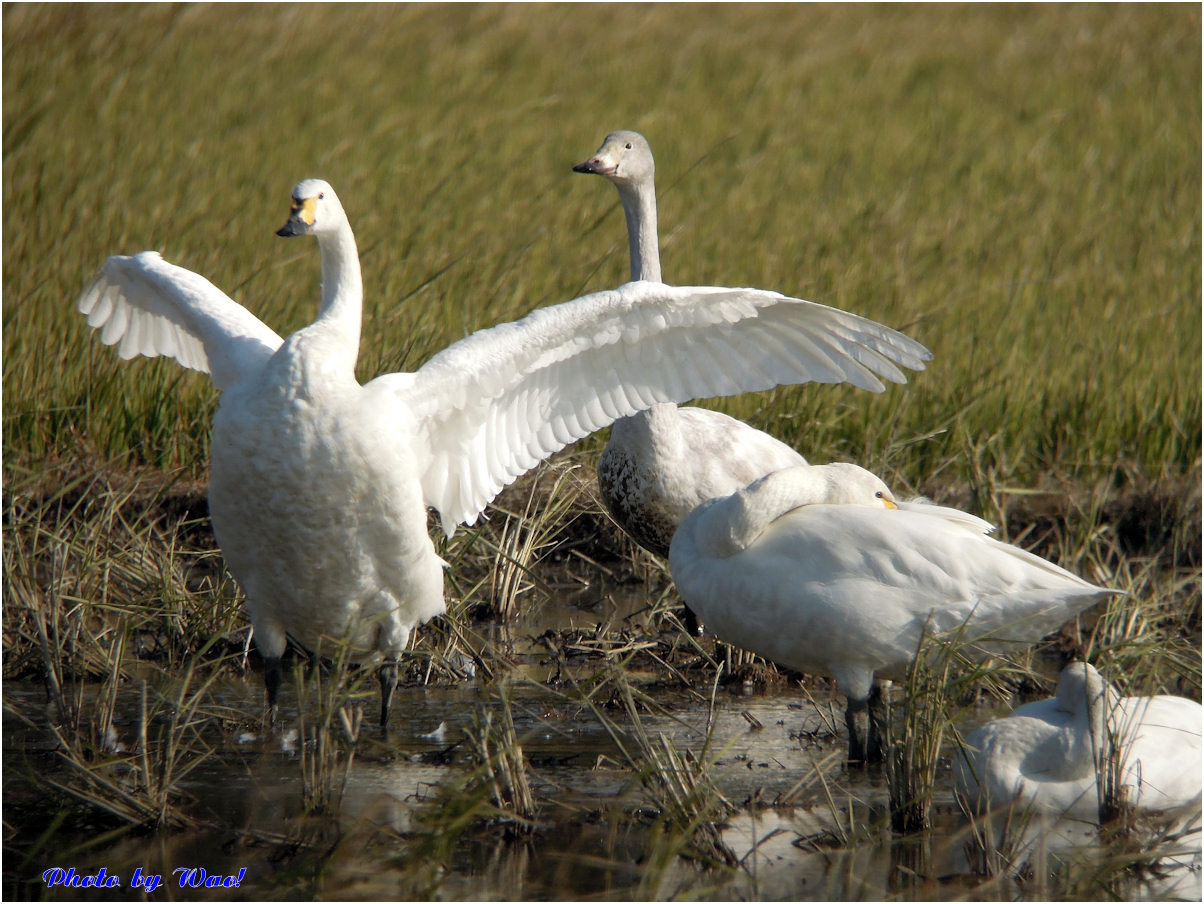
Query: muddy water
(799, 825)
(251, 788)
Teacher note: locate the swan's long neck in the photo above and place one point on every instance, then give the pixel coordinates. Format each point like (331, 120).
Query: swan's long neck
(1089, 699)
(654, 431)
(733, 523)
(342, 292)
(639, 206)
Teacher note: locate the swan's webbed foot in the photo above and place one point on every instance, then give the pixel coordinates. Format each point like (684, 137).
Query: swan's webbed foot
(690, 620)
(271, 680)
(388, 682)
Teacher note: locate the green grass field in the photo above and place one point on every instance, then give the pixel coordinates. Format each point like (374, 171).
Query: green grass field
(1016, 186)
(1019, 188)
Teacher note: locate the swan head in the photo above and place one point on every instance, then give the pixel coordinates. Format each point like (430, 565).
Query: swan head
(1081, 686)
(730, 524)
(625, 158)
(315, 209)
(832, 484)
(847, 484)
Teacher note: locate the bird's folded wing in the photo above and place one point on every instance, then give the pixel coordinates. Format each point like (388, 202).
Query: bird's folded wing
(495, 404)
(146, 306)
(972, 523)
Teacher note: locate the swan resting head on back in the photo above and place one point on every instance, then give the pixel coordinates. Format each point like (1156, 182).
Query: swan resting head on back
(821, 570)
(1053, 754)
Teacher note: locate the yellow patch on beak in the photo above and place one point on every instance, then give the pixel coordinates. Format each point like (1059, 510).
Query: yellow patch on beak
(304, 210)
(889, 503)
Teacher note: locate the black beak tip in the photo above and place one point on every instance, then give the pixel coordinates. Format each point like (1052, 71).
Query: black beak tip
(284, 231)
(586, 167)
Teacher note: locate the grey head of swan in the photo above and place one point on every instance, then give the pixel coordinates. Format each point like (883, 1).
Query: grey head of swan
(625, 158)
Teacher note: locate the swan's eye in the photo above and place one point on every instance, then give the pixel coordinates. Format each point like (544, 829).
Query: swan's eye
(321, 195)
(629, 145)
(878, 495)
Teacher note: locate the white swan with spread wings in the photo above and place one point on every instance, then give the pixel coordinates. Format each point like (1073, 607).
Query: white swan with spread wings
(319, 485)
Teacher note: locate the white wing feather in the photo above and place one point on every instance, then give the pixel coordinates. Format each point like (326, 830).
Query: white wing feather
(146, 306)
(495, 404)
(972, 523)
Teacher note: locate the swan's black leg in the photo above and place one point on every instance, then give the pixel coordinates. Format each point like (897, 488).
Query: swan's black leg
(879, 719)
(693, 626)
(856, 719)
(271, 680)
(388, 681)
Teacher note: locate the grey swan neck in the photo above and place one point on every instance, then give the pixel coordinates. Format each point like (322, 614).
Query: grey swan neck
(639, 208)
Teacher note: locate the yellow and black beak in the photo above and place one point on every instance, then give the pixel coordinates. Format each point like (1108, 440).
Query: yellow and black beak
(301, 217)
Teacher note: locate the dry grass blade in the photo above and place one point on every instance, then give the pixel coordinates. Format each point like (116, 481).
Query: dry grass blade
(499, 754)
(995, 845)
(496, 791)
(912, 757)
(675, 783)
(142, 787)
(328, 738)
(503, 550)
(104, 553)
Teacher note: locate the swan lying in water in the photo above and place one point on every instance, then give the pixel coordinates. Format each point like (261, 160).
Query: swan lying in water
(318, 485)
(1048, 754)
(819, 569)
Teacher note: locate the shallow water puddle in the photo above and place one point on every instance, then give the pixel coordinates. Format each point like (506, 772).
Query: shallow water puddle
(793, 822)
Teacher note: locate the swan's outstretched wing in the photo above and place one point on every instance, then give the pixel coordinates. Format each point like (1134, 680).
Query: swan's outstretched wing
(146, 306)
(495, 404)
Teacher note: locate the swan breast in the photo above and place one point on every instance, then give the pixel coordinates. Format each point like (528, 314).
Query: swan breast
(315, 506)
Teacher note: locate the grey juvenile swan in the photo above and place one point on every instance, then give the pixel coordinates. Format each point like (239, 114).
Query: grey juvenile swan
(661, 463)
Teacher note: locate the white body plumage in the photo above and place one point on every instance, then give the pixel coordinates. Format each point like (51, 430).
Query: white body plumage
(820, 570)
(1048, 754)
(319, 485)
(310, 483)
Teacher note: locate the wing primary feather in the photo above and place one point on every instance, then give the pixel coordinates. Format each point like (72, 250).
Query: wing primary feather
(528, 388)
(146, 306)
